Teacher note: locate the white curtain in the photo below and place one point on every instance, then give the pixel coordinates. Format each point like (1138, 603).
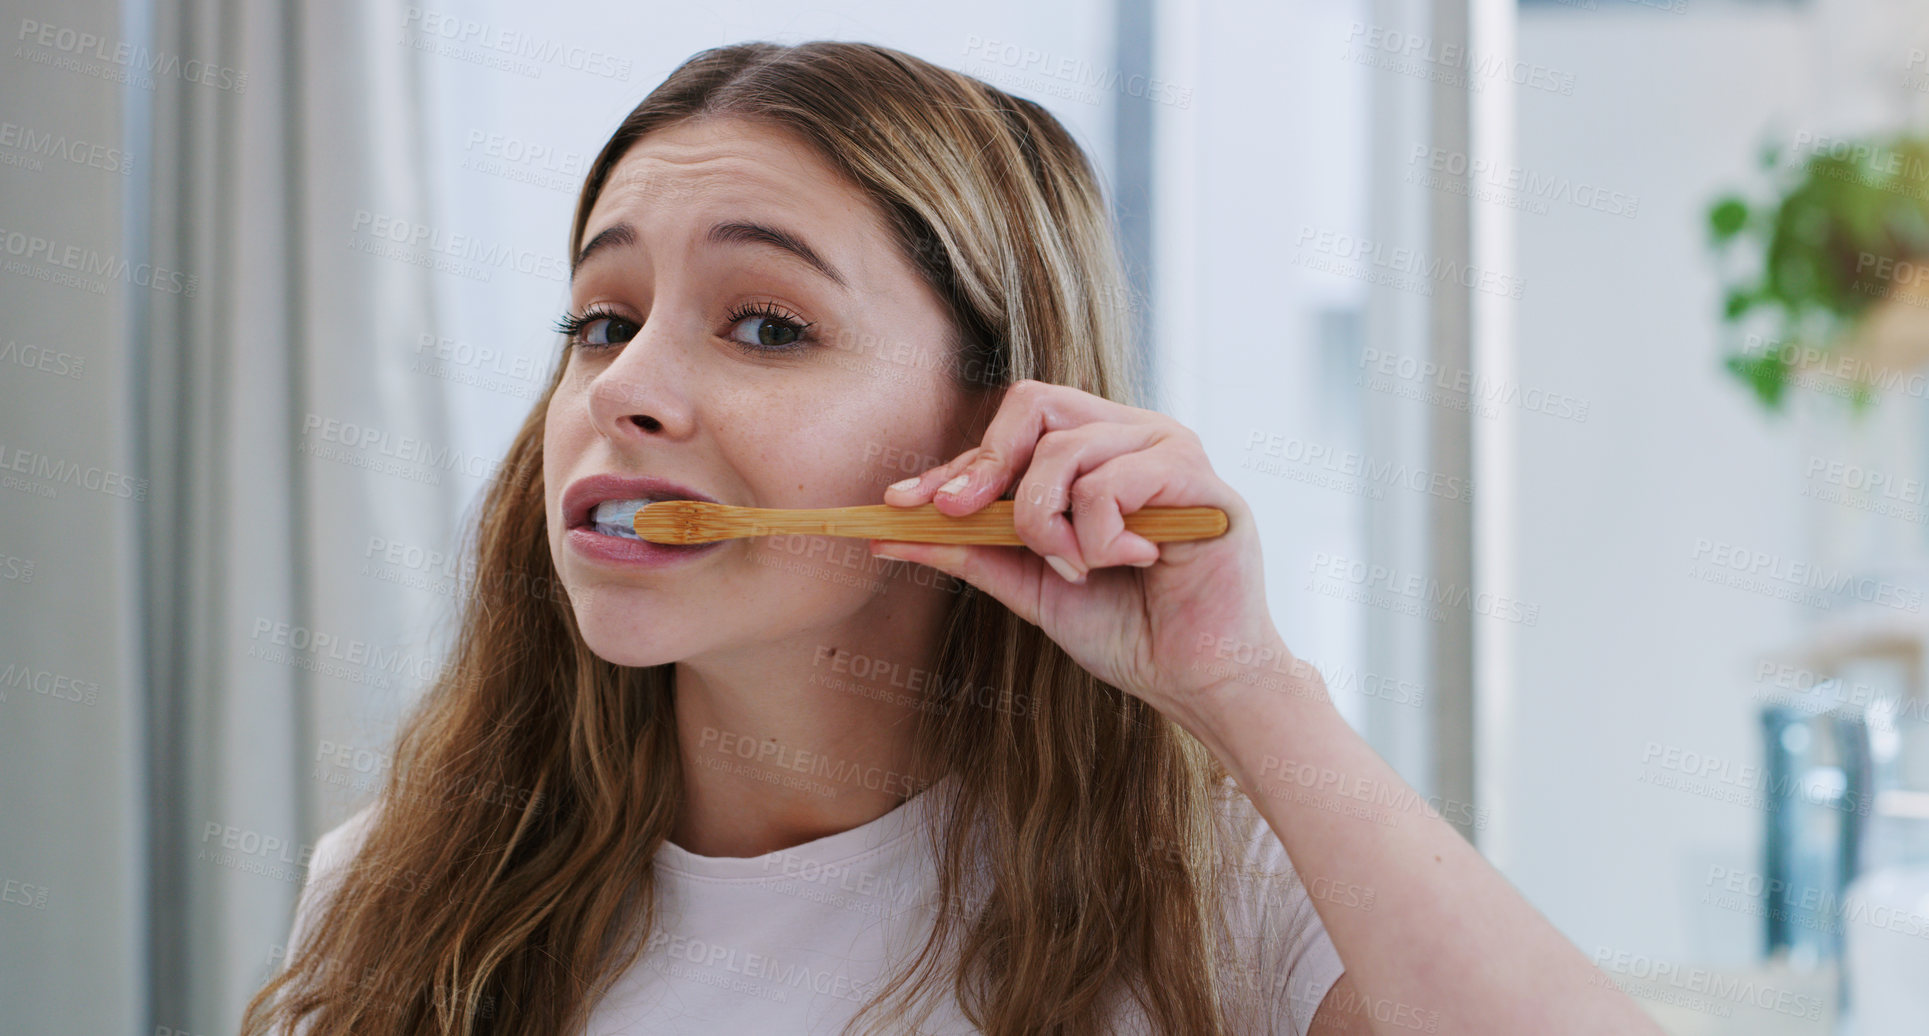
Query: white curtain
(240, 612)
(291, 443)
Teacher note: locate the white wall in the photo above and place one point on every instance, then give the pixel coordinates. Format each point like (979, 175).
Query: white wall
(1620, 311)
(1273, 142)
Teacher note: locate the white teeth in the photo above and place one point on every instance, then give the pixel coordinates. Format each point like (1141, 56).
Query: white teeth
(617, 517)
(617, 512)
(627, 532)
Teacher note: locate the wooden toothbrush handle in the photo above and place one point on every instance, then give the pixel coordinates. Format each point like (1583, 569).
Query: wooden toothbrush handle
(990, 525)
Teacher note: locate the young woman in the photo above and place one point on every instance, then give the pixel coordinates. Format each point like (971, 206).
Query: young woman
(785, 785)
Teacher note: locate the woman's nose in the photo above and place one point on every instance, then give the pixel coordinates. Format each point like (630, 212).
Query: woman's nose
(645, 389)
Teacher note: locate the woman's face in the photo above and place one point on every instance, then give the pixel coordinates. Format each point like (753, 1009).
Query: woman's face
(717, 358)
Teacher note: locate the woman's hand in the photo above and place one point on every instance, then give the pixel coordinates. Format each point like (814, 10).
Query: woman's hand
(1495, 965)
(1146, 618)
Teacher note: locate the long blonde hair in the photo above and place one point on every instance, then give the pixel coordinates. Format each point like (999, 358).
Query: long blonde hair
(472, 913)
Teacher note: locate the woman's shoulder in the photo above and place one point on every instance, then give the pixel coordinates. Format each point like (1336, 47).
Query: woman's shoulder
(339, 844)
(1246, 840)
(326, 862)
(1241, 824)
(1258, 874)
(1279, 952)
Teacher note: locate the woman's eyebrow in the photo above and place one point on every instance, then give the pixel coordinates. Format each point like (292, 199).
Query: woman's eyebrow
(618, 235)
(623, 235)
(764, 234)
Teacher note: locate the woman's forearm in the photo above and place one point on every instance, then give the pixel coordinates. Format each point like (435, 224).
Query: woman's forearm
(1433, 937)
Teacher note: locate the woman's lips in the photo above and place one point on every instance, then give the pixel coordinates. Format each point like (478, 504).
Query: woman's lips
(580, 500)
(634, 553)
(582, 496)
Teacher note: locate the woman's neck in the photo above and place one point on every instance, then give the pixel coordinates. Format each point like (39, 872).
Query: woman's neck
(794, 739)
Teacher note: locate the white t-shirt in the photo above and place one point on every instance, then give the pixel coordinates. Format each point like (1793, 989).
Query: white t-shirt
(795, 941)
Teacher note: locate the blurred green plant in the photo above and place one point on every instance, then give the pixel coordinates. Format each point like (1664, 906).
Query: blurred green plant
(1809, 262)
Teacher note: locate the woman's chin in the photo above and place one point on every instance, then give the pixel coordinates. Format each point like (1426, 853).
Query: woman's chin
(623, 639)
(637, 661)
(628, 630)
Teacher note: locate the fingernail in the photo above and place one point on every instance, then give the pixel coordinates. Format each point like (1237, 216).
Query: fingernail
(909, 483)
(1065, 568)
(956, 485)
(1147, 563)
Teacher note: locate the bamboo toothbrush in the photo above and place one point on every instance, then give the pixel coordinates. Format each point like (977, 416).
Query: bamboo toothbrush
(698, 521)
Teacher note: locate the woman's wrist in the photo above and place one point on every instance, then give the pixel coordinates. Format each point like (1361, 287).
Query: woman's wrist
(1261, 698)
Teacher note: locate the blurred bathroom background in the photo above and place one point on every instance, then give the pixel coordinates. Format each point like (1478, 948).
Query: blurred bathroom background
(1570, 352)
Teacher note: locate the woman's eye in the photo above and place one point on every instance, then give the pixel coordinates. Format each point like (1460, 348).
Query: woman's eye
(600, 331)
(766, 332)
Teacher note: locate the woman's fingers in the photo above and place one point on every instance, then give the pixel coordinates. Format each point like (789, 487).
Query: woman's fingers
(1051, 486)
(1102, 497)
(1045, 437)
(1028, 410)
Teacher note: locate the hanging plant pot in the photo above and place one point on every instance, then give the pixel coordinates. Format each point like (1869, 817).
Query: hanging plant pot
(1890, 343)
(1829, 276)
